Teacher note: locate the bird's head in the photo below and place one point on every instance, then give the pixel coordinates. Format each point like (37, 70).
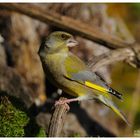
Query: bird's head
(58, 41)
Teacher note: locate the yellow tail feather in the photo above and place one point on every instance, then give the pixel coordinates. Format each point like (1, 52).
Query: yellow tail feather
(110, 104)
(106, 101)
(119, 113)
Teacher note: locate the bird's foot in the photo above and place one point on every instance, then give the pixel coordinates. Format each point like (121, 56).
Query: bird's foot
(62, 102)
(65, 101)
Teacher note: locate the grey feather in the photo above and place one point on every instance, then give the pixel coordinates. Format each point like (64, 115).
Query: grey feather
(86, 75)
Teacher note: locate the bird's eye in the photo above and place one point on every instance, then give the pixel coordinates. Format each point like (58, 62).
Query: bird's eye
(64, 37)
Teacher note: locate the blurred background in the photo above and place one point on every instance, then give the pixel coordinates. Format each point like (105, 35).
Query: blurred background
(20, 38)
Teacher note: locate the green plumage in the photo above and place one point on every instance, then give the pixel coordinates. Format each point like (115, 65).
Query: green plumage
(67, 72)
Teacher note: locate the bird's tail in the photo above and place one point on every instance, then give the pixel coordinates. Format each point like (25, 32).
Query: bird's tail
(111, 105)
(115, 93)
(103, 89)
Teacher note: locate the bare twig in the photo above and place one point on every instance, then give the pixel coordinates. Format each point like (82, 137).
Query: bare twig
(68, 24)
(57, 120)
(130, 55)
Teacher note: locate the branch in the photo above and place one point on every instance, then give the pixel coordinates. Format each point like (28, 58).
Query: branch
(57, 120)
(66, 23)
(130, 55)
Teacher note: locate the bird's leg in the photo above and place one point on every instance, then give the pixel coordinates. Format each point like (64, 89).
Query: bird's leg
(60, 102)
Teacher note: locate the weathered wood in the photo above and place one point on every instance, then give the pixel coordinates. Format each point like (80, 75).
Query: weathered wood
(57, 120)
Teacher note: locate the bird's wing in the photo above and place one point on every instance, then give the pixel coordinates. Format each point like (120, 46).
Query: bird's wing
(77, 71)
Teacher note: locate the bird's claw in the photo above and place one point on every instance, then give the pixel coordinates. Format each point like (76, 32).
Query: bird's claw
(61, 102)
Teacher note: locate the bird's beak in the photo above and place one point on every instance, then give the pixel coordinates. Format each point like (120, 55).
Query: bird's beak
(72, 42)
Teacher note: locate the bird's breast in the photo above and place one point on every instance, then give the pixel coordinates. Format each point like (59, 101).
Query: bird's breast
(54, 65)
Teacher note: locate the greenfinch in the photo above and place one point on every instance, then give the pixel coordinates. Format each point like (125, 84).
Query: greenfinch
(68, 72)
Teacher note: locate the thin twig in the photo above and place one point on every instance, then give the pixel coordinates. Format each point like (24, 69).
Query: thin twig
(130, 55)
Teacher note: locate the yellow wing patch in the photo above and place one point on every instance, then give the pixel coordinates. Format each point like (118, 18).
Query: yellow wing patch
(96, 87)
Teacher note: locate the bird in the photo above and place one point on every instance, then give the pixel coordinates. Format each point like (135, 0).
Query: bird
(68, 72)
